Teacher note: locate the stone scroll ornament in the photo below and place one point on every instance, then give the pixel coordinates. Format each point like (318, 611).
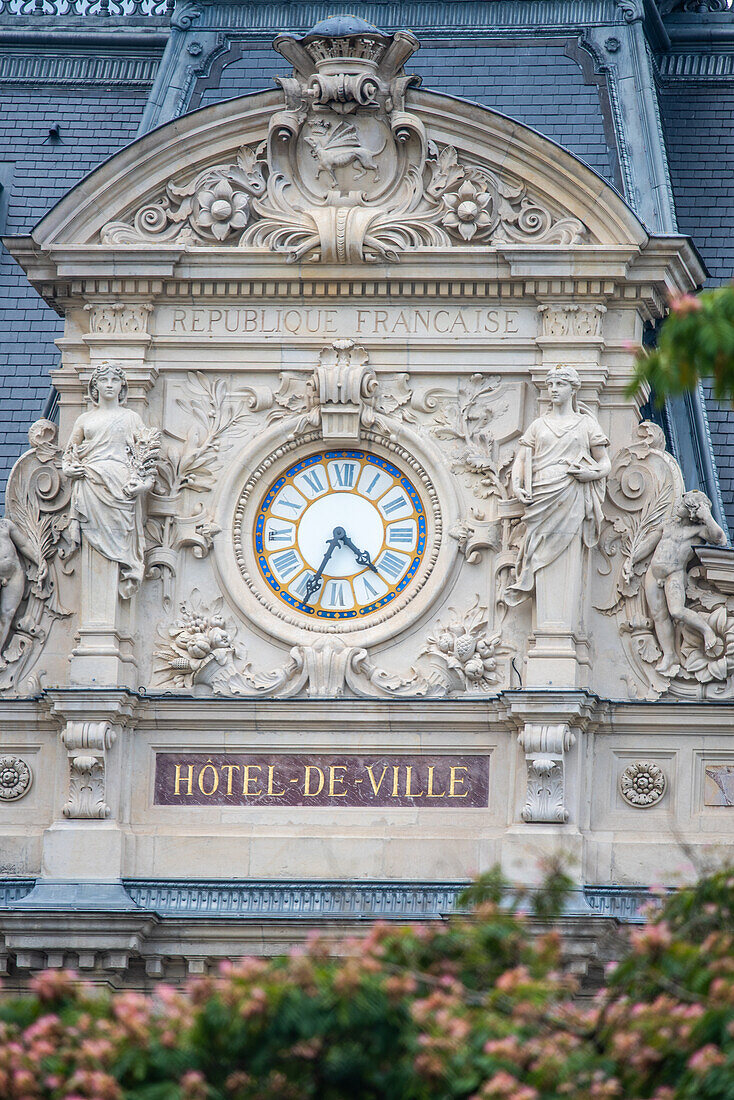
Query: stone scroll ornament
(347, 173)
(111, 460)
(678, 628)
(199, 652)
(34, 553)
(559, 476)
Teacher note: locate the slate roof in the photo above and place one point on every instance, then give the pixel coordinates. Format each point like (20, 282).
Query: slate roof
(699, 136)
(535, 82)
(94, 124)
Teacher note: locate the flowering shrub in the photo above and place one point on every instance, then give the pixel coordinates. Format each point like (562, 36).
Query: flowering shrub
(695, 341)
(473, 1007)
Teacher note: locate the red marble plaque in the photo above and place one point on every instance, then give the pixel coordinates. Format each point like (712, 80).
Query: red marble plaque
(240, 779)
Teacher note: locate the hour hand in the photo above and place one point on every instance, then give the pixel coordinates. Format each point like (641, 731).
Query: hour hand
(362, 556)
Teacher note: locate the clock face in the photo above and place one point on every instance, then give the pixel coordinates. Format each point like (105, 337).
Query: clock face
(340, 535)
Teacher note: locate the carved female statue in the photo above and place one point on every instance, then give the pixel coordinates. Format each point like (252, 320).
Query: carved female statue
(110, 458)
(559, 474)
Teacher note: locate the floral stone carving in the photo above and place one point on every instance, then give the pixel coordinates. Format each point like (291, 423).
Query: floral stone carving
(15, 778)
(465, 652)
(198, 648)
(347, 173)
(642, 784)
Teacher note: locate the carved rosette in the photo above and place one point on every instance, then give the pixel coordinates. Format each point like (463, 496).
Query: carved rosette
(642, 784)
(16, 778)
(347, 173)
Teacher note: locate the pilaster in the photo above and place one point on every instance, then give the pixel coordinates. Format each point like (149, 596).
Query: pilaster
(82, 851)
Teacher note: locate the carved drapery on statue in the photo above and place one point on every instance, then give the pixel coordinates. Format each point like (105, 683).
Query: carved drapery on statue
(347, 173)
(559, 475)
(111, 458)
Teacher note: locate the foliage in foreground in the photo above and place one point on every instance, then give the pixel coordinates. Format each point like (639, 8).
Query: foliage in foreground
(695, 341)
(473, 1008)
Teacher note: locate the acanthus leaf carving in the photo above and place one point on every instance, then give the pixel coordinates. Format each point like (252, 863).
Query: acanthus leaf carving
(347, 173)
(342, 398)
(87, 743)
(200, 650)
(545, 746)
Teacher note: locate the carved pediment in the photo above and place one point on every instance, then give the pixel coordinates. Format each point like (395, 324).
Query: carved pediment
(347, 172)
(347, 163)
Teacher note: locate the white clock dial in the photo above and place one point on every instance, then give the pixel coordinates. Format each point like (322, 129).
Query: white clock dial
(340, 535)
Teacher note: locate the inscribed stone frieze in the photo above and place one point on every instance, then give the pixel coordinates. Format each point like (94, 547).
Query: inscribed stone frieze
(183, 779)
(453, 322)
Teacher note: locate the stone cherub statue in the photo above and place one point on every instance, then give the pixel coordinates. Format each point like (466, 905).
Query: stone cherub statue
(671, 544)
(559, 474)
(111, 459)
(13, 543)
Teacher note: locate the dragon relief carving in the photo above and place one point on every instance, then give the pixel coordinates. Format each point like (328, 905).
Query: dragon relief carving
(347, 173)
(677, 625)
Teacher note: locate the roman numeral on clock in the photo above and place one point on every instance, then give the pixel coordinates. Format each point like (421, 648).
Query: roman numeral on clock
(285, 562)
(334, 596)
(400, 534)
(279, 534)
(344, 473)
(312, 479)
(392, 564)
(394, 504)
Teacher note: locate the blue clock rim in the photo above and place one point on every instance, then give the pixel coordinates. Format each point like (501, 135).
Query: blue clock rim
(304, 464)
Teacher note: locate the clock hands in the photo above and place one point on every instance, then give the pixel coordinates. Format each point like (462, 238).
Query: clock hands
(314, 583)
(362, 556)
(338, 537)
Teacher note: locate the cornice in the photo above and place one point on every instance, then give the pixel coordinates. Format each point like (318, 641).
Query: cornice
(73, 69)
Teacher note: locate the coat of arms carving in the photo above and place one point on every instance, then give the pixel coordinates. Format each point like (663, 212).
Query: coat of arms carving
(347, 173)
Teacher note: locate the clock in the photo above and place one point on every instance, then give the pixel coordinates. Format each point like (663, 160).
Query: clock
(340, 535)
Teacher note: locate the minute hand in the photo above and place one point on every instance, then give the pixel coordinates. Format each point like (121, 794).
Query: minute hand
(362, 556)
(314, 583)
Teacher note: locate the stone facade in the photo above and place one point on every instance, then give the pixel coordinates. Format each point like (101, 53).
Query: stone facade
(349, 569)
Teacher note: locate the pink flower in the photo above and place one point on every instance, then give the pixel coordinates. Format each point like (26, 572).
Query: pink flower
(49, 985)
(684, 303)
(193, 1085)
(706, 1058)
